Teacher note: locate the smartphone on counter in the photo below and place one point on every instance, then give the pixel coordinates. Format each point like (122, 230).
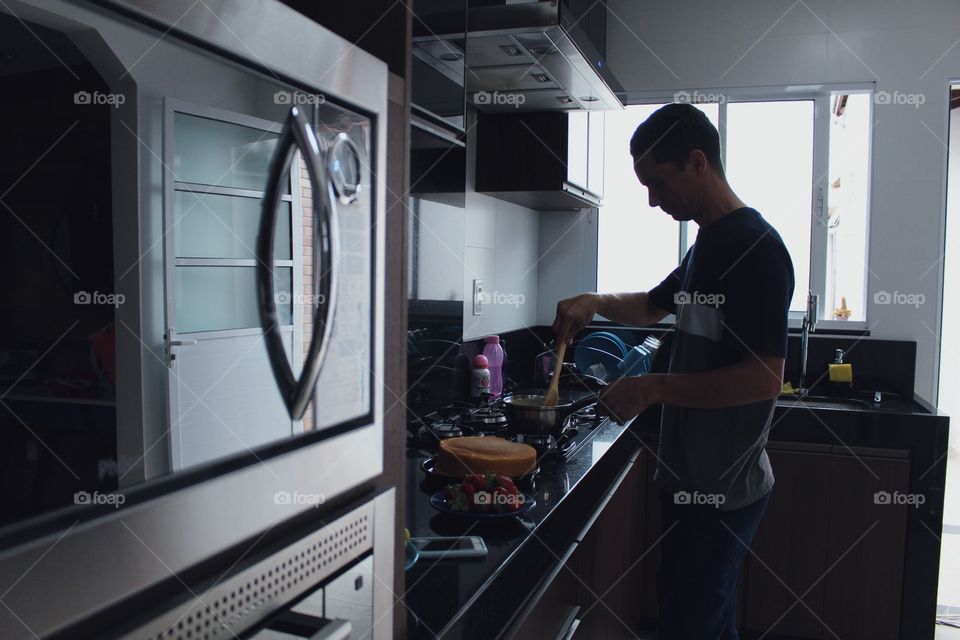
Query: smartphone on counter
(450, 547)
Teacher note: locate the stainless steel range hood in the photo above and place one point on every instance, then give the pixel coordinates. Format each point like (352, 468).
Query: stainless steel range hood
(538, 56)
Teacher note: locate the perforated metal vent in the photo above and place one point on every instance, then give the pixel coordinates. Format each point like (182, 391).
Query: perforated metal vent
(241, 601)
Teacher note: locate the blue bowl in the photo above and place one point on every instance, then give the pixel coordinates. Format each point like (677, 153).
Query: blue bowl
(600, 348)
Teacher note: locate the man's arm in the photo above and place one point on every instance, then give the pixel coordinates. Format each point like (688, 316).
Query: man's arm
(634, 309)
(753, 379)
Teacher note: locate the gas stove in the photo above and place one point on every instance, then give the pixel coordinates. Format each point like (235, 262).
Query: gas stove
(491, 420)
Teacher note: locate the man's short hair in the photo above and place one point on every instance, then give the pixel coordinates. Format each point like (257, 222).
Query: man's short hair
(672, 132)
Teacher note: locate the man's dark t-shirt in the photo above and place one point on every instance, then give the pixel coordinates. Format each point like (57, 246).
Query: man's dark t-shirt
(731, 294)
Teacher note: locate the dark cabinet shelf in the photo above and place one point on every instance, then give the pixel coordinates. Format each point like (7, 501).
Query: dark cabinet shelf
(526, 159)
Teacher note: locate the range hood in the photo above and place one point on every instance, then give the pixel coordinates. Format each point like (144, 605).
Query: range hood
(538, 56)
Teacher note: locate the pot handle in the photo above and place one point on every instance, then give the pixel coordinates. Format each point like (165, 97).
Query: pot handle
(298, 134)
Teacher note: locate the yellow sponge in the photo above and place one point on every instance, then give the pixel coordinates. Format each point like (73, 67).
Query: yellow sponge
(841, 372)
(788, 389)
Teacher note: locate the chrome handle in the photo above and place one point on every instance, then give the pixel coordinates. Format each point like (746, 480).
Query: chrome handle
(297, 133)
(180, 343)
(570, 628)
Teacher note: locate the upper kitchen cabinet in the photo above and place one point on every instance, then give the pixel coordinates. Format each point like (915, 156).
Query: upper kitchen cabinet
(437, 62)
(538, 56)
(547, 161)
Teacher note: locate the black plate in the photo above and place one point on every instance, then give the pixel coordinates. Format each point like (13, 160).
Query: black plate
(429, 467)
(439, 502)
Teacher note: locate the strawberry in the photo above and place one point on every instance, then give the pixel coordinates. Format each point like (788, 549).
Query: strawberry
(507, 484)
(476, 480)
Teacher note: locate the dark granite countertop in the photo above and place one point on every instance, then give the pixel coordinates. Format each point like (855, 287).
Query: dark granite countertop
(462, 598)
(441, 592)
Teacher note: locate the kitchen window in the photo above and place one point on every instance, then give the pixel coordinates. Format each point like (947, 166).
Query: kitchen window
(801, 158)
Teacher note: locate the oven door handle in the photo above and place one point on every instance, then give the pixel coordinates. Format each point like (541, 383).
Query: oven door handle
(298, 134)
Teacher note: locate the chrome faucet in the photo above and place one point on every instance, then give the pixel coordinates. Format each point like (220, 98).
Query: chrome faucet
(809, 326)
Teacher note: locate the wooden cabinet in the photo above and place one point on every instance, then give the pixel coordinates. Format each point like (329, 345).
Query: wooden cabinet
(827, 541)
(610, 561)
(866, 546)
(789, 551)
(594, 595)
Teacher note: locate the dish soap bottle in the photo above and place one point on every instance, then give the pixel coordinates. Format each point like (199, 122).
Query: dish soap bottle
(495, 356)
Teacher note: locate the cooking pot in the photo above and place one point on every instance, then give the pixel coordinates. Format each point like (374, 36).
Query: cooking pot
(526, 413)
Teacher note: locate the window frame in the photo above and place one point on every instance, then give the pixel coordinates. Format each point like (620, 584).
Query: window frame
(821, 95)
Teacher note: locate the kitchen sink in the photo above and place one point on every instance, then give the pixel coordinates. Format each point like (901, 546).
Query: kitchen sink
(887, 403)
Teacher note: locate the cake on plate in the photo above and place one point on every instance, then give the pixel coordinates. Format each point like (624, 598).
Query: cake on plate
(462, 456)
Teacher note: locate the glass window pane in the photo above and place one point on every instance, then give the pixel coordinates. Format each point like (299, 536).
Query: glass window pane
(214, 152)
(638, 245)
(217, 226)
(218, 298)
(577, 124)
(848, 194)
(770, 166)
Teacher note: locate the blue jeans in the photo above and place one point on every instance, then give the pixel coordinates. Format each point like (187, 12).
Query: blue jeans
(700, 562)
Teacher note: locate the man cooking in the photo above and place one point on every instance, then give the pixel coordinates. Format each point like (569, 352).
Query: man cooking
(730, 295)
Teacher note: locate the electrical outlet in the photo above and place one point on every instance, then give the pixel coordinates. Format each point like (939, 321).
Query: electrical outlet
(477, 297)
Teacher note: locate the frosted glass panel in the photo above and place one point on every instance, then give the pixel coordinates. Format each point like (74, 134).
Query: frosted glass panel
(577, 148)
(218, 153)
(770, 166)
(216, 226)
(217, 298)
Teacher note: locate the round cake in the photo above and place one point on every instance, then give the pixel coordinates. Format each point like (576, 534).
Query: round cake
(465, 455)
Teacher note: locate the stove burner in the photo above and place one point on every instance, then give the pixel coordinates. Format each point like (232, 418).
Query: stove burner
(485, 419)
(443, 430)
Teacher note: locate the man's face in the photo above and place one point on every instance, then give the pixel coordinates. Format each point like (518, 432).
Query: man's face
(674, 189)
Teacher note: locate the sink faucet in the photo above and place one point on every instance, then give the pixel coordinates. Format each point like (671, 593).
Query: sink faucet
(808, 326)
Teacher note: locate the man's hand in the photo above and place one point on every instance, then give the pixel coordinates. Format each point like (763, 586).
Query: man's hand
(628, 397)
(573, 314)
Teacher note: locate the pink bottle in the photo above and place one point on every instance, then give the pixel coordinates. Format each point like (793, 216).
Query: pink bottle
(494, 353)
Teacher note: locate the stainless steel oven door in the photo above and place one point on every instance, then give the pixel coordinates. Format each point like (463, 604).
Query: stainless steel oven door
(140, 417)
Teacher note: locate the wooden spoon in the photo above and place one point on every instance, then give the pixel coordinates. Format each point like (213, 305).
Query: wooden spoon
(553, 395)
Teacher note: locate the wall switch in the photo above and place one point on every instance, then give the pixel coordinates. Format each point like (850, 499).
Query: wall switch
(477, 297)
